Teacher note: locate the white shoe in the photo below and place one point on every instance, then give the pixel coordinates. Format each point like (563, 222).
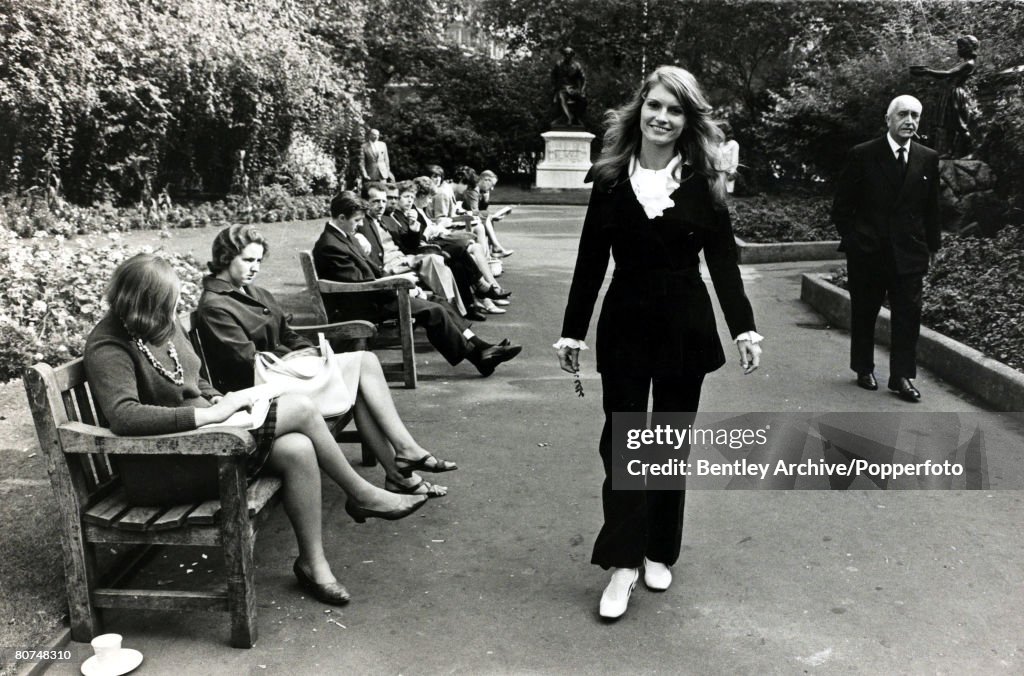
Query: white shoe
(657, 576)
(616, 595)
(490, 308)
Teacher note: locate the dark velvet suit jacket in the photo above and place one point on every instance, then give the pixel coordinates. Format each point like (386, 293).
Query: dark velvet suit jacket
(657, 317)
(873, 204)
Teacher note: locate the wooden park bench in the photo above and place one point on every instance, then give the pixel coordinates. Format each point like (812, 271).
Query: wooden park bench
(389, 333)
(93, 510)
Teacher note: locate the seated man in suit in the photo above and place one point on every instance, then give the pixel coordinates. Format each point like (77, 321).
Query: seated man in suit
(338, 257)
(413, 227)
(429, 266)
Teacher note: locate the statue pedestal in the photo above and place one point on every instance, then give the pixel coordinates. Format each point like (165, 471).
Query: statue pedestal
(566, 159)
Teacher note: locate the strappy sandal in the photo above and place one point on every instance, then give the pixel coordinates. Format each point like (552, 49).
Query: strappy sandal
(432, 490)
(407, 466)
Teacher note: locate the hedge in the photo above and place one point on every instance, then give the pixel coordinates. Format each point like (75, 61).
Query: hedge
(974, 293)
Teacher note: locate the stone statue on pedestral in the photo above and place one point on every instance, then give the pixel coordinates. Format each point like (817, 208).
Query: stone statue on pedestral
(570, 85)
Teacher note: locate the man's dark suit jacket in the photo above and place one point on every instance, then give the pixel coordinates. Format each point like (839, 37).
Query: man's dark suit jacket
(657, 317)
(369, 230)
(338, 258)
(873, 204)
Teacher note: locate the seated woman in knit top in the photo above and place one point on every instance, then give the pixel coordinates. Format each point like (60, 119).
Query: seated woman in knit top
(144, 377)
(237, 319)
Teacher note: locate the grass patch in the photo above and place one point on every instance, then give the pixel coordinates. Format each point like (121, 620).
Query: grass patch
(32, 600)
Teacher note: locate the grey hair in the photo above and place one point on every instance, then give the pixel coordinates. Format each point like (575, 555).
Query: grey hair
(901, 97)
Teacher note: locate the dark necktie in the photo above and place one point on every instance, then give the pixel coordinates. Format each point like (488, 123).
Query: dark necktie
(903, 160)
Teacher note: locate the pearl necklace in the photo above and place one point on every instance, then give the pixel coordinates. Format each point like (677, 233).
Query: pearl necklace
(178, 377)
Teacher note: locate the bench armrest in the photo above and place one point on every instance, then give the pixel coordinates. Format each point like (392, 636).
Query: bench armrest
(350, 330)
(76, 437)
(382, 284)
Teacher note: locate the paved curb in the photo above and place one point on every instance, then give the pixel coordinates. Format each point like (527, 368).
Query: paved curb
(38, 668)
(967, 368)
(787, 252)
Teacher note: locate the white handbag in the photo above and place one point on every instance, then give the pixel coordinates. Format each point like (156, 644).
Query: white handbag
(316, 376)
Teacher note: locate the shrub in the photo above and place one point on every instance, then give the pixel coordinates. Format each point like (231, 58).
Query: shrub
(29, 217)
(51, 295)
(306, 168)
(974, 293)
(782, 218)
(104, 99)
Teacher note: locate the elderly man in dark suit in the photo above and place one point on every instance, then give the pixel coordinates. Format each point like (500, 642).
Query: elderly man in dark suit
(339, 257)
(886, 211)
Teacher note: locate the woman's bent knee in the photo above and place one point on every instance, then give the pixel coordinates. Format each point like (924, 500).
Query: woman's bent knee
(297, 408)
(370, 361)
(293, 451)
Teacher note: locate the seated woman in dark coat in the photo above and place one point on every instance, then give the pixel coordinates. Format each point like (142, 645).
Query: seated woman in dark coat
(144, 377)
(238, 319)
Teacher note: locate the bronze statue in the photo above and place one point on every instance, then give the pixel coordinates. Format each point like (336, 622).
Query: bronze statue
(954, 109)
(570, 83)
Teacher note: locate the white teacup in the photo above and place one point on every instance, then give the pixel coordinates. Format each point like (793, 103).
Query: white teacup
(107, 647)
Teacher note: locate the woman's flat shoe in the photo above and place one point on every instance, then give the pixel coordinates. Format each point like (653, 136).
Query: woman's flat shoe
(361, 514)
(332, 593)
(407, 466)
(428, 489)
(657, 576)
(615, 598)
(504, 253)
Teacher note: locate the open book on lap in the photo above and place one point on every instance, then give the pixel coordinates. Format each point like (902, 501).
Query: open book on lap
(252, 419)
(501, 213)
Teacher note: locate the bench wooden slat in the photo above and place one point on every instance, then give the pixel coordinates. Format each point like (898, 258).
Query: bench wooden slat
(107, 511)
(70, 374)
(85, 408)
(258, 494)
(106, 597)
(77, 437)
(138, 518)
(203, 515)
(173, 517)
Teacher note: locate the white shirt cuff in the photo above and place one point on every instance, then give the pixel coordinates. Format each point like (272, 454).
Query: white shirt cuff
(570, 343)
(753, 336)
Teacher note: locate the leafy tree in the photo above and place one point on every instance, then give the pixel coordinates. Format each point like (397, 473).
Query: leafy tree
(111, 99)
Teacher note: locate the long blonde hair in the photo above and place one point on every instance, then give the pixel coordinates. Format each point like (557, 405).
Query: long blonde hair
(698, 143)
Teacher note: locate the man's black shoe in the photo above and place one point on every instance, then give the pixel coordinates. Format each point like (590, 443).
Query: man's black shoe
(474, 315)
(487, 359)
(905, 388)
(867, 381)
(496, 293)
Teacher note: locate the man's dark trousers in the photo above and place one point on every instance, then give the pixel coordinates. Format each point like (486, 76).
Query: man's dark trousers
(871, 277)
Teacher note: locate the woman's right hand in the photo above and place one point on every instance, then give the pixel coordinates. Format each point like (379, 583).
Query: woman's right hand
(224, 408)
(569, 359)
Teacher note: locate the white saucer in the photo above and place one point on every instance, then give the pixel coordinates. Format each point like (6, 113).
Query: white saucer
(127, 659)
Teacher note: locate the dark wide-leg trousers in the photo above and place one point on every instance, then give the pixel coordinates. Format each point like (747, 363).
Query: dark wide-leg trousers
(871, 279)
(641, 523)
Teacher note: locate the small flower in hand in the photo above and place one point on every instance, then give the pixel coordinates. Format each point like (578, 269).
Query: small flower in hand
(577, 384)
